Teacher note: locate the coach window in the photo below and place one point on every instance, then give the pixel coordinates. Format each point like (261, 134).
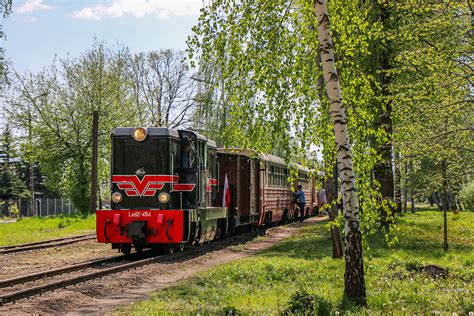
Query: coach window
(273, 175)
(279, 176)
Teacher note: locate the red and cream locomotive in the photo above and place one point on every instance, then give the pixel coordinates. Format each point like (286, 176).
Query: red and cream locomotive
(171, 188)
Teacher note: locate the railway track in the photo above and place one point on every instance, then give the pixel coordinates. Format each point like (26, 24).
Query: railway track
(12, 290)
(45, 244)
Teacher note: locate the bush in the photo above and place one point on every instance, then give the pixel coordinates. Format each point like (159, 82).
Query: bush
(303, 303)
(467, 196)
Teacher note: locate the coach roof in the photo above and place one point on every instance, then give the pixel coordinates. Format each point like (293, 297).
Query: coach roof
(152, 131)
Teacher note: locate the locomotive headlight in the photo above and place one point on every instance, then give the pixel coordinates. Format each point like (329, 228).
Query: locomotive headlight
(139, 134)
(163, 197)
(117, 197)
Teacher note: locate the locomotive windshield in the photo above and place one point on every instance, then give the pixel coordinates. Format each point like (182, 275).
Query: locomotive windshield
(153, 156)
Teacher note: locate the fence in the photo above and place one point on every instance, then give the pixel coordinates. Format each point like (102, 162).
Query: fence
(44, 207)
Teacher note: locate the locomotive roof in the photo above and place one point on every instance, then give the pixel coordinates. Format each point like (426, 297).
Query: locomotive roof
(152, 131)
(212, 144)
(198, 136)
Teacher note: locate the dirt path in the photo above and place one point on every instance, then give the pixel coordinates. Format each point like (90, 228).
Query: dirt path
(107, 294)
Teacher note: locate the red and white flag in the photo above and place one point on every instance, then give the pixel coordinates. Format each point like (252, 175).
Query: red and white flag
(226, 195)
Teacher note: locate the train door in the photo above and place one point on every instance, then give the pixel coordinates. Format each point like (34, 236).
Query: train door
(212, 181)
(245, 187)
(255, 187)
(202, 173)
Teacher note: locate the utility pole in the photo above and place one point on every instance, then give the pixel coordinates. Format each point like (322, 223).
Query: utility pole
(95, 154)
(32, 206)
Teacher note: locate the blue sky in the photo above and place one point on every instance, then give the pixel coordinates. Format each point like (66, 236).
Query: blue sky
(37, 30)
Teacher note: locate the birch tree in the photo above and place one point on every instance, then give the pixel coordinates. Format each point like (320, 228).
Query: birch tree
(354, 276)
(268, 53)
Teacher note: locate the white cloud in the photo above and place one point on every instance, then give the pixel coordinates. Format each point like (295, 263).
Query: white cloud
(32, 5)
(163, 9)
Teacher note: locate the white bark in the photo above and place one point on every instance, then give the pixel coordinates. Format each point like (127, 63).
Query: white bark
(344, 158)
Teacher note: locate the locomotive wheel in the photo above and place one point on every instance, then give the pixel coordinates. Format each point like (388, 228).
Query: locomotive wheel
(181, 247)
(126, 249)
(170, 248)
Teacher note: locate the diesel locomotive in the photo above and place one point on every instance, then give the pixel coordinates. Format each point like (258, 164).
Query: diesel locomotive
(172, 187)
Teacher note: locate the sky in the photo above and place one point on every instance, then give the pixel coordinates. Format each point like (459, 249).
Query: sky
(39, 30)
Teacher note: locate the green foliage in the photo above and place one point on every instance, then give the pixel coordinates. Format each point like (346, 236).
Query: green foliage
(264, 283)
(467, 195)
(5, 10)
(31, 229)
(11, 182)
(430, 91)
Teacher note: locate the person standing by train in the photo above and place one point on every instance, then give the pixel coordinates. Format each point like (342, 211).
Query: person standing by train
(300, 200)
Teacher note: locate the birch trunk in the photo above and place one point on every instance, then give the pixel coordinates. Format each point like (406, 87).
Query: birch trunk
(354, 284)
(331, 193)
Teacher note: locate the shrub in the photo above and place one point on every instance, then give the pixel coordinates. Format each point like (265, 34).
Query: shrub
(467, 196)
(14, 210)
(303, 303)
(231, 311)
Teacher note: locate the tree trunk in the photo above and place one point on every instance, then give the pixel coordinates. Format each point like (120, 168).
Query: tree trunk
(405, 188)
(94, 161)
(331, 184)
(398, 184)
(354, 284)
(412, 187)
(32, 204)
(445, 204)
(331, 191)
(383, 170)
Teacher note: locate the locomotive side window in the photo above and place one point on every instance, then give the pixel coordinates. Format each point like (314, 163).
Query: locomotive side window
(188, 154)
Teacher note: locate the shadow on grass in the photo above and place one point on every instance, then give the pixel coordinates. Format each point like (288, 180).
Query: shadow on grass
(317, 246)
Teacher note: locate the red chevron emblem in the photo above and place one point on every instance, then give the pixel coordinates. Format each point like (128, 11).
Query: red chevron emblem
(146, 187)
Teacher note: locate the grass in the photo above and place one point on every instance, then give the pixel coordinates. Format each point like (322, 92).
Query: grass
(31, 229)
(263, 284)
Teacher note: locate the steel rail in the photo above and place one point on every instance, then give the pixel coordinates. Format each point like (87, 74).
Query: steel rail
(58, 271)
(40, 289)
(45, 244)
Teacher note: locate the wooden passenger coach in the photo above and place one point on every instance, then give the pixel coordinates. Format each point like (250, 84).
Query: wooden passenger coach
(260, 187)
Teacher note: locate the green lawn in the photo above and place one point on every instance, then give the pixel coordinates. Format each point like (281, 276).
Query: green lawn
(264, 283)
(31, 229)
